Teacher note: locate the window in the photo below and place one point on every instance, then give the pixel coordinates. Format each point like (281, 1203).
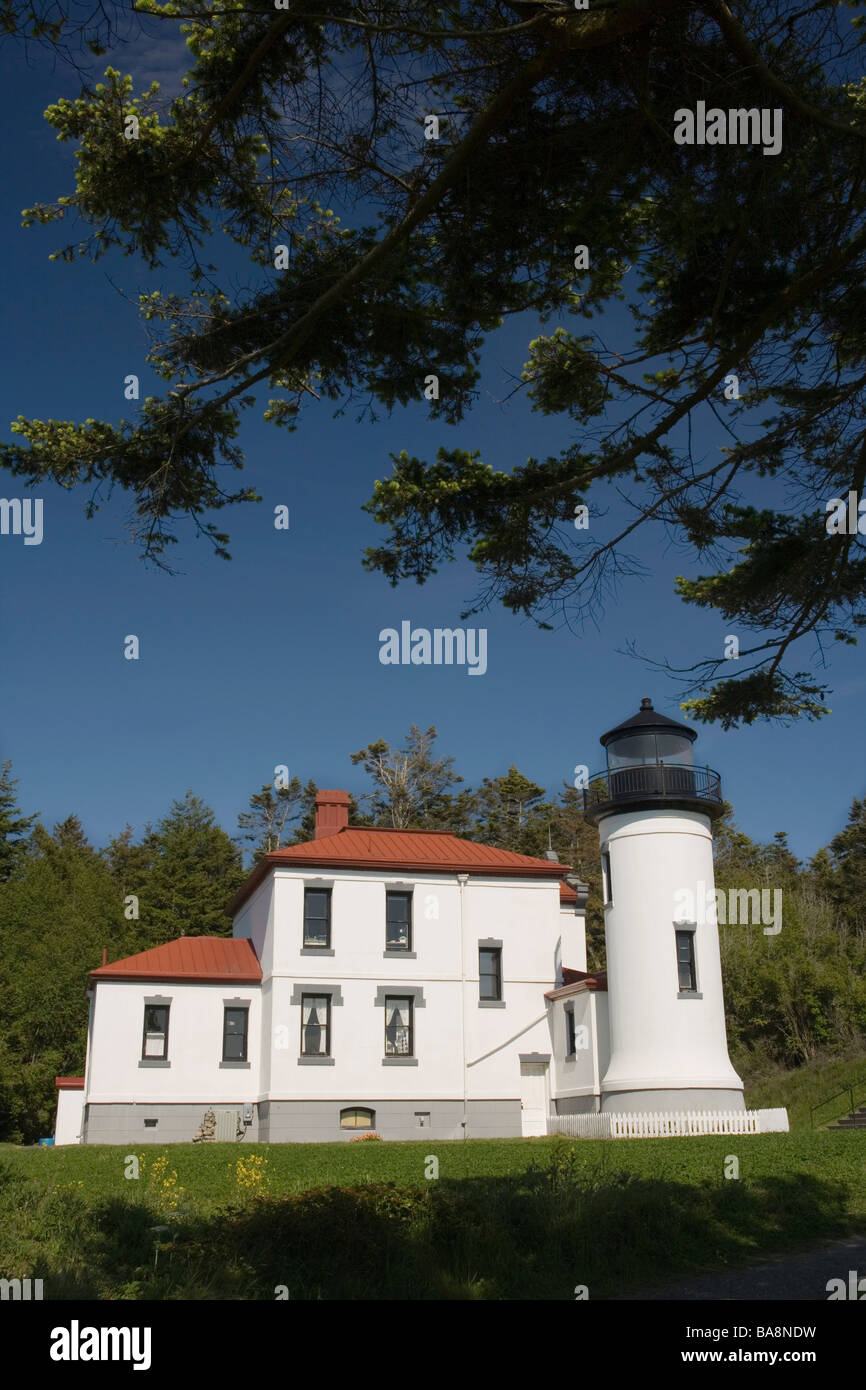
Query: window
(607, 882)
(570, 1035)
(317, 917)
(398, 1026)
(357, 1117)
(155, 1041)
(315, 1025)
(235, 1034)
(686, 962)
(490, 972)
(398, 921)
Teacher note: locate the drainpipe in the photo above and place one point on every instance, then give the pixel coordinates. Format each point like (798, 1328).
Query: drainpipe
(91, 996)
(462, 880)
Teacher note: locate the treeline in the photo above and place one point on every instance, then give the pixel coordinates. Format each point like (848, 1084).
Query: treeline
(63, 901)
(802, 993)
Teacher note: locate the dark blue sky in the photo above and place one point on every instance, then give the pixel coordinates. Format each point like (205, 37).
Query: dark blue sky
(273, 658)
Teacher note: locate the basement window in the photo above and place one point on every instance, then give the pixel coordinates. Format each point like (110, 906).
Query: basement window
(151, 1124)
(357, 1117)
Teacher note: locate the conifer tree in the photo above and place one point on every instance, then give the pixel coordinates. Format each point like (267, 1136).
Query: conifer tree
(505, 157)
(57, 913)
(195, 871)
(14, 828)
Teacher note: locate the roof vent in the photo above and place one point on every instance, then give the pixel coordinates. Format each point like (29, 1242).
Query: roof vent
(646, 702)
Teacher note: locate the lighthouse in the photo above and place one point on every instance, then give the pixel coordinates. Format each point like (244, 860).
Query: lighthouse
(654, 811)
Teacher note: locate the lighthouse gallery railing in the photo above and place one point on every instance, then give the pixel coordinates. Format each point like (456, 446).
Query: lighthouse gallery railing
(652, 779)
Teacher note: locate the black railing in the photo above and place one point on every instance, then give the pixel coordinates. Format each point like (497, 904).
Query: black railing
(670, 780)
(848, 1091)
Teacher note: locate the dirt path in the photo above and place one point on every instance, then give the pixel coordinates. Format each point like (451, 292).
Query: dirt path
(799, 1277)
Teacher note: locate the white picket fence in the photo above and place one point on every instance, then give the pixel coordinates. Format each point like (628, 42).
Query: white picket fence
(664, 1124)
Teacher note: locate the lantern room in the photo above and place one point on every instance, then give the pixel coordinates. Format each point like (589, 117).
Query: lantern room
(650, 763)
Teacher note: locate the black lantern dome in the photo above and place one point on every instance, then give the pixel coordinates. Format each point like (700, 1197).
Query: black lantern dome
(650, 764)
(648, 737)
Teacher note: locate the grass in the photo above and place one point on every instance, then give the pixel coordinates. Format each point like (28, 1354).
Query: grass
(505, 1219)
(811, 1085)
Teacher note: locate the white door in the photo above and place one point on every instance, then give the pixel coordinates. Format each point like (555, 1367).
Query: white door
(533, 1098)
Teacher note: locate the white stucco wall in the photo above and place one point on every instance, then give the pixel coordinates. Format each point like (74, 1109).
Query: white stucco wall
(67, 1127)
(579, 1075)
(194, 1043)
(460, 1047)
(573, 930)
(254, 923)
(660, 1040)
(524, 917)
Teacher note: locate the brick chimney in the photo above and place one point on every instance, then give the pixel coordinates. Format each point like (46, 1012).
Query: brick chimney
(332, 813)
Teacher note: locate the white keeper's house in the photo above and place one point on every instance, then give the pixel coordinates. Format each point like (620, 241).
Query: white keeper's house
(410, 982)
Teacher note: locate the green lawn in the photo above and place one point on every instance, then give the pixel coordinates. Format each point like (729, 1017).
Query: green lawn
(504, 1219)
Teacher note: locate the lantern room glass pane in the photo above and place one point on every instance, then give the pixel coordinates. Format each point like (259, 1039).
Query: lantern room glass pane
(642, 750)
(634, 749)
(674, 748)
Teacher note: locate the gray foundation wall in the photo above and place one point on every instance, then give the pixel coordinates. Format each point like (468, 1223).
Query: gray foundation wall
(311, 1121)
(576, 1105)
(642, 1101)
(303, 1121)
(175, 1124)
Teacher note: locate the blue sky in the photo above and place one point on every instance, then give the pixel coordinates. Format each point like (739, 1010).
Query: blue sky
(273, 658)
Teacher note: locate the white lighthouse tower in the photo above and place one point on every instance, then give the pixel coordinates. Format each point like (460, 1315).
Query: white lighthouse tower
(653, 809)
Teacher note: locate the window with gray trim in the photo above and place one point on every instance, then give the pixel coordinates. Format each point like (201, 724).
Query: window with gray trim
(399, 1025)
(154, 1042)
(686, 963)
(398, 921)
(317, 917)
(315, 1025)
(235, 1033)
(570, 1034)
(490, 972)
(607, 881)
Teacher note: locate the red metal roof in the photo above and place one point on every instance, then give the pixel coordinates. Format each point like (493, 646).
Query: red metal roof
(430, 851)
(69, 1083)
(578, 982)
(227, 958)
(567, 893)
